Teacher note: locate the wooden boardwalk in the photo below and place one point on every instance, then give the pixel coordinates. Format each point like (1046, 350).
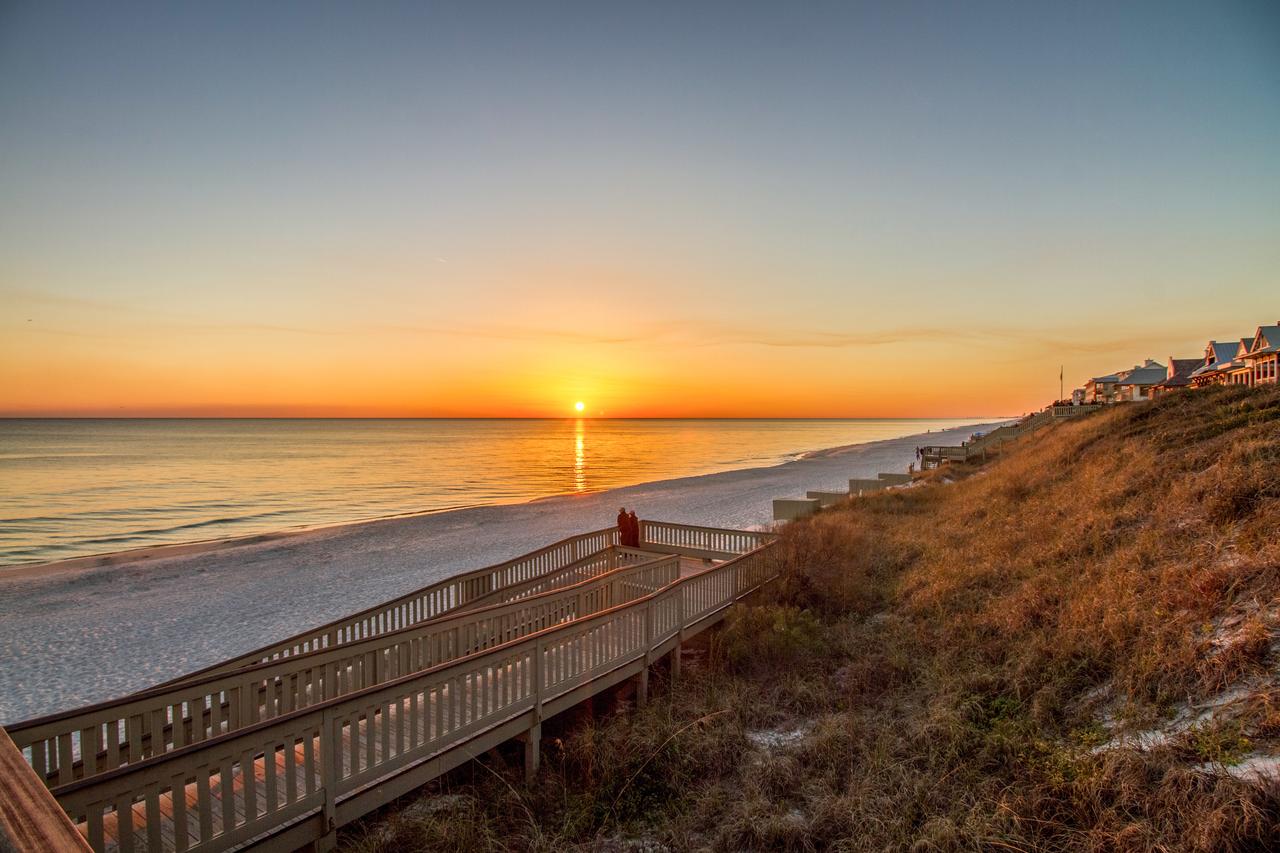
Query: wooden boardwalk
(285, 760)
(184, 811)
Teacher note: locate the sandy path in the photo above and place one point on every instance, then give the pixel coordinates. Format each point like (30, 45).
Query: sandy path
(78, 633)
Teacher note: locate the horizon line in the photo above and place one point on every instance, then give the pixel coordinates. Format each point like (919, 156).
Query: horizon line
(494, 417)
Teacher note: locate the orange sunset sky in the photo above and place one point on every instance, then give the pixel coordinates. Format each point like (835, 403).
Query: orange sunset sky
(429, 212)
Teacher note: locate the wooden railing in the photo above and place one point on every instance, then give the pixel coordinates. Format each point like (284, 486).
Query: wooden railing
(293, 779)
(71, 745)
(613, 557)
(426, 603)
(693, 541)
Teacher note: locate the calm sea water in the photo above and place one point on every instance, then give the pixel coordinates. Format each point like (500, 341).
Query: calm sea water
(71, 488)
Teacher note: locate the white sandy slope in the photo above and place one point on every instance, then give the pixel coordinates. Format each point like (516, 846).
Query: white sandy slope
(87, 630)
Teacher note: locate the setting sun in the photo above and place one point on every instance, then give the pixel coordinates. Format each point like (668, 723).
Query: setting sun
(579, 406)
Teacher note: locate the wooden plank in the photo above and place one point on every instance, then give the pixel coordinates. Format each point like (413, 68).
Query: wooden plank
(30, 818)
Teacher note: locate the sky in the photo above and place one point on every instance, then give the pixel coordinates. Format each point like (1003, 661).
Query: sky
(660, 209)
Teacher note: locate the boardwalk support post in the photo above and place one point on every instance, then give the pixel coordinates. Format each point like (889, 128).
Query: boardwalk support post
(532, 740)
(642, 685)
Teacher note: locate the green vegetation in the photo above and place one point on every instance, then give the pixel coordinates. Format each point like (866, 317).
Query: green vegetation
(955, 666)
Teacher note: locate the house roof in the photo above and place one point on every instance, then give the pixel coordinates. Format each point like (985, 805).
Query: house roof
(1182, 370)
(1224, 354)
(1225, 351)
(1267, 339)
(1145, 376)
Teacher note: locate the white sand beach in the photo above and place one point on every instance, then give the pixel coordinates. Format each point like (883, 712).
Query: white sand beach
(84, 630)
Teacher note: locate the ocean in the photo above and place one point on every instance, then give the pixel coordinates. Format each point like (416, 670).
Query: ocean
(72, 488)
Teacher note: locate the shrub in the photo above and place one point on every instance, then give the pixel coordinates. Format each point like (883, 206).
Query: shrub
(769, 638)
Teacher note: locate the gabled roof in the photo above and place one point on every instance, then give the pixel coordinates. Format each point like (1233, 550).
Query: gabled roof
(1179, 370)
(1266, 340)
(1224, 354)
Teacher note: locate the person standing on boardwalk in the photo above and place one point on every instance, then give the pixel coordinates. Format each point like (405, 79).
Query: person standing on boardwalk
(628, 528)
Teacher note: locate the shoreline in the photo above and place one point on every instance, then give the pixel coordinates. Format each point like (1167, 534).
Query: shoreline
(74, 633)
(168, 550)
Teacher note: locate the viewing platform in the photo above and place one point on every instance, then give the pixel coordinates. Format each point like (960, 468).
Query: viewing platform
(276, 748)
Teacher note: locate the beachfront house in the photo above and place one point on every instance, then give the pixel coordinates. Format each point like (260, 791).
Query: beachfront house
(1136, 384)
(1101, 389)
(1177, 375)
(1216, 364)
(1262, 357)
(1239, 372)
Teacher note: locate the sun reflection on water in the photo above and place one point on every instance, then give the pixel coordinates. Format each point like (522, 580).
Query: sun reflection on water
(580, 456)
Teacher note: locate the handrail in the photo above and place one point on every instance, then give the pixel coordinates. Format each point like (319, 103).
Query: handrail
(613, 557)
(31, 821)
(318, 759)
(697, 541)
(422, 604)
(69, 745)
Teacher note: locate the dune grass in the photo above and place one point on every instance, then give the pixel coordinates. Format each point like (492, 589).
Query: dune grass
(956, 666)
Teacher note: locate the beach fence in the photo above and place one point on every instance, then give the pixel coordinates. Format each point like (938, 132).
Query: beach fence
(278, 752)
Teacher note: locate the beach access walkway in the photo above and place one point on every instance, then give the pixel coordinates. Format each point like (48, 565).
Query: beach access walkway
(276, 748)
(934, 455)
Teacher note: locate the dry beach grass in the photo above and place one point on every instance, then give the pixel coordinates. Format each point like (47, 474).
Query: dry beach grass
(1071, 647)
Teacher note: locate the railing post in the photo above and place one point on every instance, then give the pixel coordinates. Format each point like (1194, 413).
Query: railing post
(330, 740)
(675, 652)
(533, 738)
(642, 684)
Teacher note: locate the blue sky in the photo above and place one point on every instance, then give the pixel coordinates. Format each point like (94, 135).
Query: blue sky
(229, 206)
